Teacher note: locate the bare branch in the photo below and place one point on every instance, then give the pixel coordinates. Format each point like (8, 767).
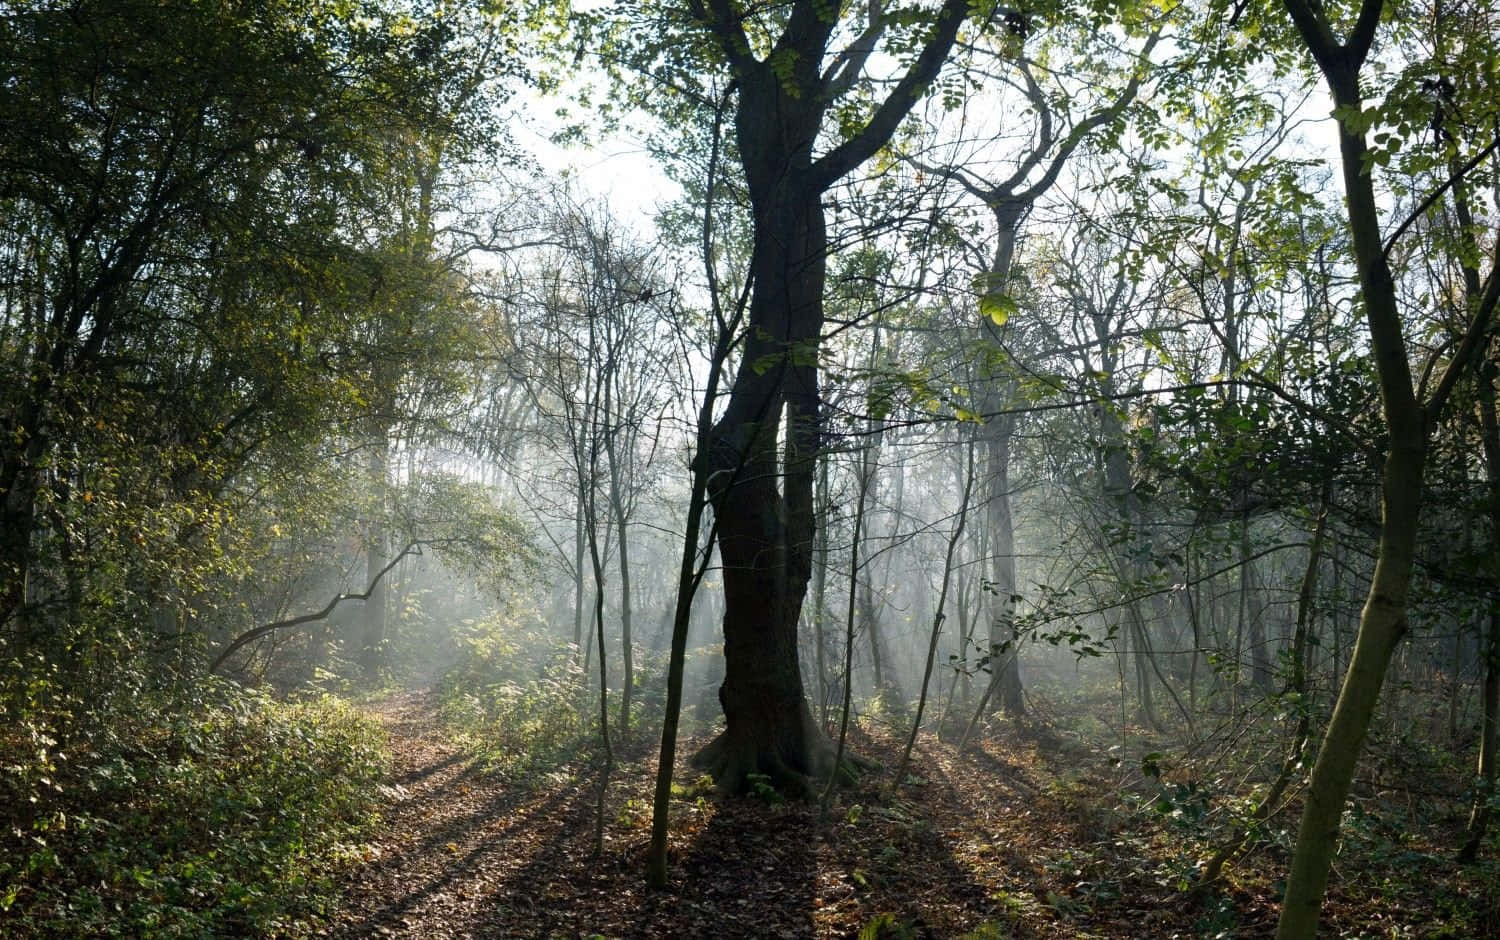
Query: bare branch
(250, 636)
(882, 125)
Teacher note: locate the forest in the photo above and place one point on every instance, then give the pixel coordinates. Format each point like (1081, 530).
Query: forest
(749, 468)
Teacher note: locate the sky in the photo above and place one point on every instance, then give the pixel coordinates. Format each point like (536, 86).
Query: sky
(618, 169)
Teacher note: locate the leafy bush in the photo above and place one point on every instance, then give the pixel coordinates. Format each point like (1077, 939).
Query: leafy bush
(216, 813)
(516, 699)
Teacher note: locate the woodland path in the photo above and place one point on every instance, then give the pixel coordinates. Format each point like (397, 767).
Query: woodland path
(460, 854)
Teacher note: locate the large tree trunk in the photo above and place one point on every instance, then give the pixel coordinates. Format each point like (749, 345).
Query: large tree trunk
(765, 538)
(766, 535)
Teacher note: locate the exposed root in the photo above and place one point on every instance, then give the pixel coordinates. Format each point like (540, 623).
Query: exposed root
(742, 769)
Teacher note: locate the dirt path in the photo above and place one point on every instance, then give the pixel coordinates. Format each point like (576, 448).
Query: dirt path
(454, 857)
(462, 855)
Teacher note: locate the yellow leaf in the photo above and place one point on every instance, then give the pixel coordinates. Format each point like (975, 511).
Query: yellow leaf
(998, 307)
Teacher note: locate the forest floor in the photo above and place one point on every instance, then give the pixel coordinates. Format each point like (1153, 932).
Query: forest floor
(1002, 843)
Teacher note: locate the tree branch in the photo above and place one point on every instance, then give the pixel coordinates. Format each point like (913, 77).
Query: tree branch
(1320, 40)
(840, 75)
(882, 125)
(1473, 337)
(250, 636)
(720, 20)
(1363, 36)
(1432, 197)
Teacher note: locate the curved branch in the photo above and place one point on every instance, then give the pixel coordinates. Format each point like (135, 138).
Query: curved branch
(251, 635)
(883, 123)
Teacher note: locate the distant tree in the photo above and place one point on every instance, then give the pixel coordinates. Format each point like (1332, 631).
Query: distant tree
(1055, 133)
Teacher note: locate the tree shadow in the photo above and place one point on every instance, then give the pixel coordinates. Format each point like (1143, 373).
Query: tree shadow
(468, 857)
(440, 837)
(418, 774)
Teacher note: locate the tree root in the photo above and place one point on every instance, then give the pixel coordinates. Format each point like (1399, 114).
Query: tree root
(742, 769)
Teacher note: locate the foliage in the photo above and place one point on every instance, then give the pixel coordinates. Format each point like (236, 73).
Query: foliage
(515, 699)
(210, 812)
(886, 927)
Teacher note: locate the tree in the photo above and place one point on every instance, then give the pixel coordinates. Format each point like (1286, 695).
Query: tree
(694, 556)
(1054, 138)
(761, 476)
(1411, 412)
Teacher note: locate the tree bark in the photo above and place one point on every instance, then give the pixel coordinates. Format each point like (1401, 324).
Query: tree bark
(766, 538)
(1489, 722)
(760, 486)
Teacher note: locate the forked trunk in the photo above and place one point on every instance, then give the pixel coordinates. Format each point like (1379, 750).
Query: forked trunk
(765, 534)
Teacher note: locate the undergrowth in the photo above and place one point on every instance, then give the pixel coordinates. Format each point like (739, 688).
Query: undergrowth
(216, 811)
(523, 705)
(513, 701)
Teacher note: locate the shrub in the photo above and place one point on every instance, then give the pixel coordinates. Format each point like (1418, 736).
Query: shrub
(516, 700)
(217, 813)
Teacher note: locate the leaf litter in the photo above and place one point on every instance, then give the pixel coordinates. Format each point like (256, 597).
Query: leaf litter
(1009, 841)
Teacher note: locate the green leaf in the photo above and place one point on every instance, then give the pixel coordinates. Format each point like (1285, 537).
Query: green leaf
(998, 307)
(1151, 764)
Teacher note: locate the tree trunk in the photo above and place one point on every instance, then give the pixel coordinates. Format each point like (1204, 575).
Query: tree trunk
(1120, 497)
(579, 537)
(766, 538)
(937, 617)
(18, 490)
(1383, 619)
(869, 623)
(766, 533)
(999, 429)
(1382, 624)
(1489, 722)
(377, 554)
(866, 476)
(621, 519)
(1004, 639)
(820, 593)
